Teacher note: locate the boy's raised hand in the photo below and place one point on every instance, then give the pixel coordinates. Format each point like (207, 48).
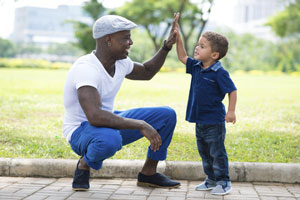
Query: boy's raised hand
(181, 53)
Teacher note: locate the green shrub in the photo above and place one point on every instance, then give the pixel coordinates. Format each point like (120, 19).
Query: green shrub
(295, 73)
(32, 63)
(256, 72)
(274, 73)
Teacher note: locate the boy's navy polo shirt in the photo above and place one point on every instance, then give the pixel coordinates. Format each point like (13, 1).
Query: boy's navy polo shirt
(207, 91)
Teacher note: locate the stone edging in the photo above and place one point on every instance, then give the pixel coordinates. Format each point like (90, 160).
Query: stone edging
(245, 172)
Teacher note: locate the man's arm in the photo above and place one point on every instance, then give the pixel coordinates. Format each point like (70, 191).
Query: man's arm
(90, 102)
(148, 69)
(230, 116)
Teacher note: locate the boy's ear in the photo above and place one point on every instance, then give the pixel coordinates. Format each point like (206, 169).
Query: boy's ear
(215, 55)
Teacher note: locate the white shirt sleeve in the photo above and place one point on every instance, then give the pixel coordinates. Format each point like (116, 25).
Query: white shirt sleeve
(130, 65)
(85, 76)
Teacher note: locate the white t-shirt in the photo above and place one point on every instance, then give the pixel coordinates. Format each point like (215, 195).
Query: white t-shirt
(88, 71)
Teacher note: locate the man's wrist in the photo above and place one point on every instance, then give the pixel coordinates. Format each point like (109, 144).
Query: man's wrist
(141, 124)
(165, 47)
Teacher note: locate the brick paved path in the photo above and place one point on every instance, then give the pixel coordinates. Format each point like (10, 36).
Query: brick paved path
(56, 189)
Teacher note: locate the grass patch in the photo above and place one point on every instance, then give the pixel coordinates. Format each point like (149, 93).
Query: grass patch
(267, 128)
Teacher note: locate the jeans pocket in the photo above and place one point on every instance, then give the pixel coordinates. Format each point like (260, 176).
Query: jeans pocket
(207, 131)
(222, 130)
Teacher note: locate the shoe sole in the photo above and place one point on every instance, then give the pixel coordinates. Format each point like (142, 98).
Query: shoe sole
(80, 189)
(206, 189)
(221, 194)
(143, 184)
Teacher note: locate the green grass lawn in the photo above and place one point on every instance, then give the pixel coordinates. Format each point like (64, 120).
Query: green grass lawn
(267, 128)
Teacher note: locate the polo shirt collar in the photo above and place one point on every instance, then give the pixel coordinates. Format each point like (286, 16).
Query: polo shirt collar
(214, 67)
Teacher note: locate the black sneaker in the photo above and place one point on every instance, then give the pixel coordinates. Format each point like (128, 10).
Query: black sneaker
(81, 180)
(156, 180)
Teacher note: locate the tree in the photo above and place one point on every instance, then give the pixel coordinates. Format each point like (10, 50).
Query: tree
(247, 52)
(7, 48)
(82, 31)
(64, 49)
(287, 55)
(157, 16)
(287, 22)
(84, 35)
(29, 48)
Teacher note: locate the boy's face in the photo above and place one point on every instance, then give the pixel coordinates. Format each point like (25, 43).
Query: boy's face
(203, 50)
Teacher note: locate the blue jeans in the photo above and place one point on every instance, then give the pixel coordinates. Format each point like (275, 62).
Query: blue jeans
(96, 144)
(210, 142)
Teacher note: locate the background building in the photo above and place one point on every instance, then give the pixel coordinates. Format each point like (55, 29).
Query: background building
(46, 25)
(246, 16)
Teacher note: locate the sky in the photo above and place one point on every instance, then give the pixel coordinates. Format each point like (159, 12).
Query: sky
(7, 10)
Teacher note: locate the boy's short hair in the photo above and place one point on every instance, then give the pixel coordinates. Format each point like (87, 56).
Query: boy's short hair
(218, 43)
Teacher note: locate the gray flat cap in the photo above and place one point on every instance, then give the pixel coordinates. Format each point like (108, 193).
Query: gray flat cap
(109, 24)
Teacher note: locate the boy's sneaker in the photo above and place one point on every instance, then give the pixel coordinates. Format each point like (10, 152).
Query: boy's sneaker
(206, 185)
(222, 189)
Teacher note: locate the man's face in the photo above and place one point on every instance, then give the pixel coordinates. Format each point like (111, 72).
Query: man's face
(203, 50)
(120, 44)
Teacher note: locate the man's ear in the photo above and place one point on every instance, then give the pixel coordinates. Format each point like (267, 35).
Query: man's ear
(108, 40)
(215, 55)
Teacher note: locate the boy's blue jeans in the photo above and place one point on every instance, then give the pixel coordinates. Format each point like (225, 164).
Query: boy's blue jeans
(96, 144)
(210, 142)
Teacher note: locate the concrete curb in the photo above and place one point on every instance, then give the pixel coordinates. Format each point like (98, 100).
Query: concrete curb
(245, 172)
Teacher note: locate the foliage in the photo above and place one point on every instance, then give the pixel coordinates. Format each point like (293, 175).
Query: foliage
(84, 35)
(140, 51)
(267, 128)
(83, 31)
(64, 49)
(7, 48)
(28, 48)
(287, 55)
(156, 18)
(287, 22)
(192, 22)
(247, 52)
(94, 9)
(60, 49)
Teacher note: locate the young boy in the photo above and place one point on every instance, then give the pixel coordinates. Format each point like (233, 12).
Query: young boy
(209, 85)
